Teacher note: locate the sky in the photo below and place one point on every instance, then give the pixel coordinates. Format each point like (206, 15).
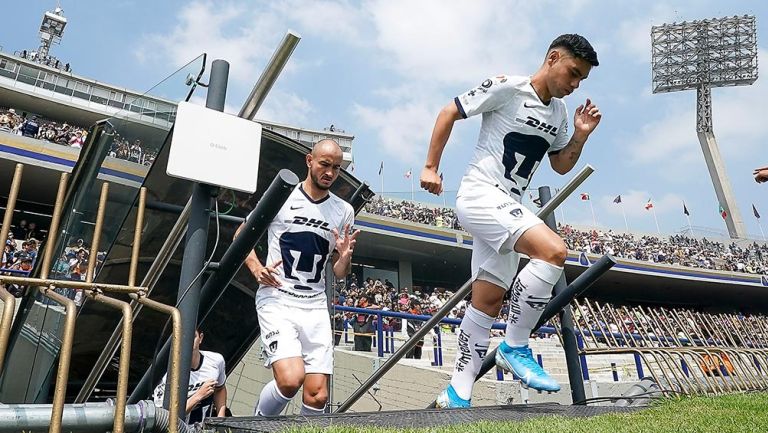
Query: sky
(382, 69)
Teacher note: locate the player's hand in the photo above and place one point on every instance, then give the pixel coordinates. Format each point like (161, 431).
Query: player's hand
(586, 118)
(205, 391)
(431, 181)
(267, 275)
(761, 175)
(345, 245)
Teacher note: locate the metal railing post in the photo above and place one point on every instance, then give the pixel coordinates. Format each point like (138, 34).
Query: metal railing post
(9, 301)
(379, 336)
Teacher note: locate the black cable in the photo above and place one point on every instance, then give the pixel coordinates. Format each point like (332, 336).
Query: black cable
(152, 364)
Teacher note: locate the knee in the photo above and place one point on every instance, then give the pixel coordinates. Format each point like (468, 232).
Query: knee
(316, 398)
(289, 385)
(554, 252)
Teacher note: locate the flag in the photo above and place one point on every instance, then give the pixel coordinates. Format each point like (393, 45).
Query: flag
(408, 174)
(723, 213)
(381, 167)
(754, 211)
(617, 199)
(649, 205)
(685, 210)
(585, 196)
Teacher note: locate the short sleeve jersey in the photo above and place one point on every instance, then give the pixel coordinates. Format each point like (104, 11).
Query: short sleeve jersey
(300, 236)
(517, 130)
(212, 367)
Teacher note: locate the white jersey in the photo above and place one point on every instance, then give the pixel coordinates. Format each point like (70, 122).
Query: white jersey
(211, 368)
(300, 236)
(518, 129)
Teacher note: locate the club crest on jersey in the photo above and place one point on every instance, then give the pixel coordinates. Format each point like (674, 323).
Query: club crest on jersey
(516, 213)
(310, 222)
(538, 124)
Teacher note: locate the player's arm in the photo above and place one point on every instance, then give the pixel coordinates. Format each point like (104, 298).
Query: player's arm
(266, 275)
(220, 400)
(345, 246)
(585, 120)
(430, 179)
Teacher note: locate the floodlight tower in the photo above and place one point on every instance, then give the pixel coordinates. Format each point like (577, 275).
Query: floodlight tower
(700, 55)
(51, 31)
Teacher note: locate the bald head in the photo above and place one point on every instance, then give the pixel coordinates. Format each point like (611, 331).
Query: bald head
(324, 163)
(326, 146)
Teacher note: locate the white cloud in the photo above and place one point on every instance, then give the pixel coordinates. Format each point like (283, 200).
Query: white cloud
(401, 129)
(220, 31)
(634, 34)
(332, 20)
(285, 107)
(670, 139)
(463, 43)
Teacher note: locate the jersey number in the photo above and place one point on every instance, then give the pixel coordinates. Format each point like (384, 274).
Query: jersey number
(522, 154)
(304, 255)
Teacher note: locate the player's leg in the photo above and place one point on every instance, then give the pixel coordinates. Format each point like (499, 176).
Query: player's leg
(531, 291)
(275, 396)
(315, 394)
(316, 339)
(282, 348)
(532, 288)
(493, 273)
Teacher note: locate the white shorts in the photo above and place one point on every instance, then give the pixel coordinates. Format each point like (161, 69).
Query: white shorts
(290, 332)
(496, 221)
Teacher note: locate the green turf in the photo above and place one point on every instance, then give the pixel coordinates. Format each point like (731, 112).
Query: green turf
(732, 413)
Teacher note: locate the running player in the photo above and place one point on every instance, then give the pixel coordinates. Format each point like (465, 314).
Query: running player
(523, 120)
(313, 225)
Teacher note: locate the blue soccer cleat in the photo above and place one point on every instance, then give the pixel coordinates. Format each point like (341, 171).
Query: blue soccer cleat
(448, 399)
(519, 360)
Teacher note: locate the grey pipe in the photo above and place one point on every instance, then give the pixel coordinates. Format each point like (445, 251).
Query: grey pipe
(269, 76)
(85, 418)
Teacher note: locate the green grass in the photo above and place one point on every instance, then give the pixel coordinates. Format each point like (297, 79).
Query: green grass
(732, 413)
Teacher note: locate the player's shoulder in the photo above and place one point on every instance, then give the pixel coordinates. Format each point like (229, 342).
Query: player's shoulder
(502, 82)
(340, 203)
(214, 357)
(517, 81)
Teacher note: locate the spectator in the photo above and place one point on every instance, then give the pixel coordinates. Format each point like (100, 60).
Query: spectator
(30, 127)
(363, 326)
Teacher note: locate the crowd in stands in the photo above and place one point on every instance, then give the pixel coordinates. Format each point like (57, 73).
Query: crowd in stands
(70, 135)
(674, 250)
(383, 295)
(21, 252)
(414, 212)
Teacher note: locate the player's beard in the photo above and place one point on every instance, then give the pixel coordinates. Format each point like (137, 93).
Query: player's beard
(318, 185)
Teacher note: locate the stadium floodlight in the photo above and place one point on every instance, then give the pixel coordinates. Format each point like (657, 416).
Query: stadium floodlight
(51, 31)
(699, 55)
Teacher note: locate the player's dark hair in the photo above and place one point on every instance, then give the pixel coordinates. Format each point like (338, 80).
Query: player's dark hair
(577, 45)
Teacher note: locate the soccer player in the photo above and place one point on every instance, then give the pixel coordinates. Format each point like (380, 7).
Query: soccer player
(313, 225)
(524, 118)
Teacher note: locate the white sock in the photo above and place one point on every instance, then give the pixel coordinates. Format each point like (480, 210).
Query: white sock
(271, 401)
(474, 334)
(310, 411)
(531, 292)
